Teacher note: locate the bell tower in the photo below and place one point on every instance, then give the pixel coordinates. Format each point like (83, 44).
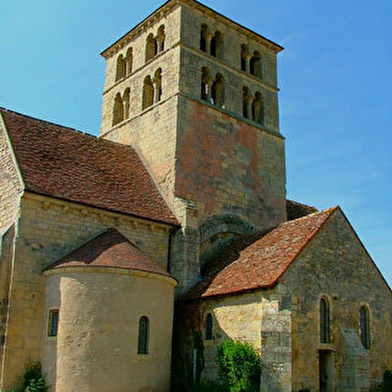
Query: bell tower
(196, 94)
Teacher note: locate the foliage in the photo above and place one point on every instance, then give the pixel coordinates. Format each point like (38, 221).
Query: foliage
(208, 386)
(387, 381)
(32, 380)
(239, 366)
(304, 390)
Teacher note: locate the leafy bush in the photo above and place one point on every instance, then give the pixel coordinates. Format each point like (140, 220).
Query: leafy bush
(387, 381)
(32, 380)
(208, 386)
(239, 366)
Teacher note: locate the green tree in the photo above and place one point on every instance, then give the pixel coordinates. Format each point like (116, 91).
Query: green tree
(239, 366)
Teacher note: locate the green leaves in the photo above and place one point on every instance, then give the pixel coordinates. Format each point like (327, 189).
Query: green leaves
(239, 366)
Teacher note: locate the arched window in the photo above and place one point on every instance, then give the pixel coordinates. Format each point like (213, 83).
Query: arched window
(217, 91)
(158, 84)
(205, 78)
(258, 109)
(129, 62)
(216, 45)
(325, 336)
(364, 327)
(244, 55)
(143, 340)
(151, 47)
(120, 70)
(161, 39)
(148, 93)
(209, 326)
(203, 38)
(245, 106)
(255, 65)
(118, 110)
(53, 322)
(126, 102)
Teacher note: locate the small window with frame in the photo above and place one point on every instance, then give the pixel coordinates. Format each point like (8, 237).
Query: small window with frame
(53, 323)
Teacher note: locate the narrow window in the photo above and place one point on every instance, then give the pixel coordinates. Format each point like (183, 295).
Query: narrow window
(258, 109)
(203, 38)
(118, 110)
(365, 327)
(324, 321)
(120, 70)
(158, 85)
(148, 93)
(217, 91)
(216, 45)
(255, 65)
(144, 327)
(129, 61)
(244, 54)
(161, 39)
(126, 102)
(151, 47)
(209, 326)
(245, 98)
(53, 322)
(204, 84)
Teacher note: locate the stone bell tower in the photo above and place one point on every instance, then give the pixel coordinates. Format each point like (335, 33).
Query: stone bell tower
(196, 94)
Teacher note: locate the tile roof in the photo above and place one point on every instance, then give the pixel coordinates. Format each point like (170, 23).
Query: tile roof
(261, 263)
(64, 163)
(109, 249)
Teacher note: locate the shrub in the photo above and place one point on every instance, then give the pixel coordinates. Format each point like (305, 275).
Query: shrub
(32, 380)
(208, 386)
(387, 381)
(239, 366)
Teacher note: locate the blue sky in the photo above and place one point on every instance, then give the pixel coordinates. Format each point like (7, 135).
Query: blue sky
(334, 75)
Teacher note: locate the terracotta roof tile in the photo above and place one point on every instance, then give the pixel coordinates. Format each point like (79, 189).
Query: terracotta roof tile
(68, 164)
(262, 263)
(109, 249)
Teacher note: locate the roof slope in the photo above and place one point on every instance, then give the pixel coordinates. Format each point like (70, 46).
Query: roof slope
(70, 165)
(262, 263)
(109, 250)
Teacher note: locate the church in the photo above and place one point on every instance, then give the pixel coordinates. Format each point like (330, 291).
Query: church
(116, 250)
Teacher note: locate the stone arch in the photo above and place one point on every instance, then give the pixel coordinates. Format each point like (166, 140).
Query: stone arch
(118, 109)
(151, 47)
(218, 91)
(244, 57)
(120, 68)
(245, 102)
(129, 61)
(216, 46)
(325, 320)
(255, 65)
(161, 39)
(158, 85)
(364, 326)
(148, 92)
(203, 37)
(258, 109)
(205, 81)
(218, 231)
(126, 102)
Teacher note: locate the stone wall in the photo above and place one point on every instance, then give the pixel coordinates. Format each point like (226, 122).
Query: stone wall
(49, 229)
(10, 182)
(96, 348)
(336, 265)
(262, 318)
(225, 165)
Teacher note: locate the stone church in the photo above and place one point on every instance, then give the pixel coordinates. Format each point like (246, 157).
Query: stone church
(175, 219)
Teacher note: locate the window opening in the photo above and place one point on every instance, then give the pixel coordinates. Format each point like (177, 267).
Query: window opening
(144, 326)
(209, 327)
(53, 322)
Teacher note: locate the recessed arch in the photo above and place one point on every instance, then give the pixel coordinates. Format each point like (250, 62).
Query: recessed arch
(118, 109)
(325, 314)
(120, 67)
(143, 336)
(148, 92)
(364, 326)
